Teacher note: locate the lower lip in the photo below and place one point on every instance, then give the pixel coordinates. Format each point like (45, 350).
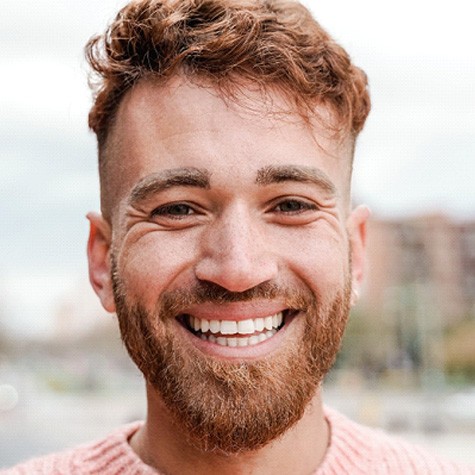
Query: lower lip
(246, 352)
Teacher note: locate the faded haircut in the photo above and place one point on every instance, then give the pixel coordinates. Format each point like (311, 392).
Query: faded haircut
(271, 43)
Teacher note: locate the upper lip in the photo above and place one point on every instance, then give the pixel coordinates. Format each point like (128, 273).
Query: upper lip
(235, 310)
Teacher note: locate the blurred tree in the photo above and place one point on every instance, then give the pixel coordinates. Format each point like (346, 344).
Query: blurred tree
(459, 343)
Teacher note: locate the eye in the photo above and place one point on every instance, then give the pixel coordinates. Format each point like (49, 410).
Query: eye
(174, 211)
(293, 206)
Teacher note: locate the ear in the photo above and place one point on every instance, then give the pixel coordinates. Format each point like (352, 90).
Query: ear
(98, 249)
(356, 226)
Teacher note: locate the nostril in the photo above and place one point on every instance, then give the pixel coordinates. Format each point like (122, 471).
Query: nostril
(236, 275)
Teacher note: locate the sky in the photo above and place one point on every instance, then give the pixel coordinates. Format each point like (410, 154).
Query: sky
(416, 154)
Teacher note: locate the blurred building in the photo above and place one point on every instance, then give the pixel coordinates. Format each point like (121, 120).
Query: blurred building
(420, 282)
(429, 258)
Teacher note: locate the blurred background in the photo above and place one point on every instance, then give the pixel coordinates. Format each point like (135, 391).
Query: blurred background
(408, 361)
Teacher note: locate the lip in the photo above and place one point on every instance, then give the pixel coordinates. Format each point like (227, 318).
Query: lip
(235, 311)
(250, 352)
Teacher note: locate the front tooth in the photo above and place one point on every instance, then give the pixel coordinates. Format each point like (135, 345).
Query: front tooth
(253, 340)
(259, 324)
(268, 323)
(246, 327)
(243, 341)
(204, 325)
(232, 342)
(229, 327)
(214, 326)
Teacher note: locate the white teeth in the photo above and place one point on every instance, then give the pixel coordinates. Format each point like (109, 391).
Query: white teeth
(253, 340)
(232, 342)
(245, 327)
(277, 320)
(262, 337)
(259, 324)
(241, 327)
(243, 341)
(204, 326)
(257, 330)
(229, 327)
(215, 326)
(240, 341)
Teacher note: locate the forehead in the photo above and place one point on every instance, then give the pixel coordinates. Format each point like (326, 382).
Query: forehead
(185, 124)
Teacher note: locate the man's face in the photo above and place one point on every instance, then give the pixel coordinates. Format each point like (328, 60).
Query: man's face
(230, 255)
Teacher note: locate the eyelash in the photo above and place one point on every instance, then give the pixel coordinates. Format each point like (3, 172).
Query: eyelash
(166, 211)
(303, 206)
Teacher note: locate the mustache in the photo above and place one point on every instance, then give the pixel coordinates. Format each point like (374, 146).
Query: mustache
(175, 301)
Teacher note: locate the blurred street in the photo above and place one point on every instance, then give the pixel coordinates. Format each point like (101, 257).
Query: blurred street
(43, 420)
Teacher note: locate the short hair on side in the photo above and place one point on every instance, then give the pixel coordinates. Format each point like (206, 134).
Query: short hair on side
(272, 43)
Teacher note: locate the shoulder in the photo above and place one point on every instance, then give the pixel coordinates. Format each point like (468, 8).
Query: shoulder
(109, 455)
(358, 449)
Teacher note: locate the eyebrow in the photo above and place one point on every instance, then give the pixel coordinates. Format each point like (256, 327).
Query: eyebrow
(157, 182)
(278, 174)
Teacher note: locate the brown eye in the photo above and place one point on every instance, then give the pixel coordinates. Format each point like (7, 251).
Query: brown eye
(294, 206)
(173, 210)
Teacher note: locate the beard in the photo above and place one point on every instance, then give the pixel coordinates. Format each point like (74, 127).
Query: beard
(230, 407)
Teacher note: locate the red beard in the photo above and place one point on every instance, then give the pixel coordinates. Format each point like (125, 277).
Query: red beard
(224, 406)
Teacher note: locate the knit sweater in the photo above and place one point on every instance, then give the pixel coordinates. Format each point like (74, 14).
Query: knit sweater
(353, 450)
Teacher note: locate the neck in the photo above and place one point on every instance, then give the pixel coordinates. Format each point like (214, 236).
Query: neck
(161, 444)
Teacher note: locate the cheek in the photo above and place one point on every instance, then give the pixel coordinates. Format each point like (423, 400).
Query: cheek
(155, 263)
(321, 261)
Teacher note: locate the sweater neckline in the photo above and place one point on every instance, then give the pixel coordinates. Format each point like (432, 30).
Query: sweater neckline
(349, 449)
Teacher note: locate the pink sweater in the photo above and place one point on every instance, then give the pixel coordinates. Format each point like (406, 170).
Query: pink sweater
(353, 450)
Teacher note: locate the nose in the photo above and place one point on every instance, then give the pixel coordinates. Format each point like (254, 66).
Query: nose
(236, 254)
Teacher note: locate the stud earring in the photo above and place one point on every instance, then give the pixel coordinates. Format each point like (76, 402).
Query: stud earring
(355, 296)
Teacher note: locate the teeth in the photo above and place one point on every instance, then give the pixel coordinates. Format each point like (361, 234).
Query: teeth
(262, 337)
(243, 341)
(277, 320)
(229, 327)
(259, 324)
(253, 340)
(233, 327)
(256, 330)
(240, 341)
(246, 327)
(204, 325)
(232, 341)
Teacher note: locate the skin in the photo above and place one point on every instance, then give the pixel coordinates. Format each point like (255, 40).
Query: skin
(273, 205)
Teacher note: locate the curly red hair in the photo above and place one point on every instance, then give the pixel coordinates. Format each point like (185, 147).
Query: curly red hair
(269, 42)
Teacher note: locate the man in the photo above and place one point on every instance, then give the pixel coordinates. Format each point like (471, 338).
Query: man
(227, 244)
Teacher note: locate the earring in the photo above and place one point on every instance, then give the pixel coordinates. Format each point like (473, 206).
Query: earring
(355, 296)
